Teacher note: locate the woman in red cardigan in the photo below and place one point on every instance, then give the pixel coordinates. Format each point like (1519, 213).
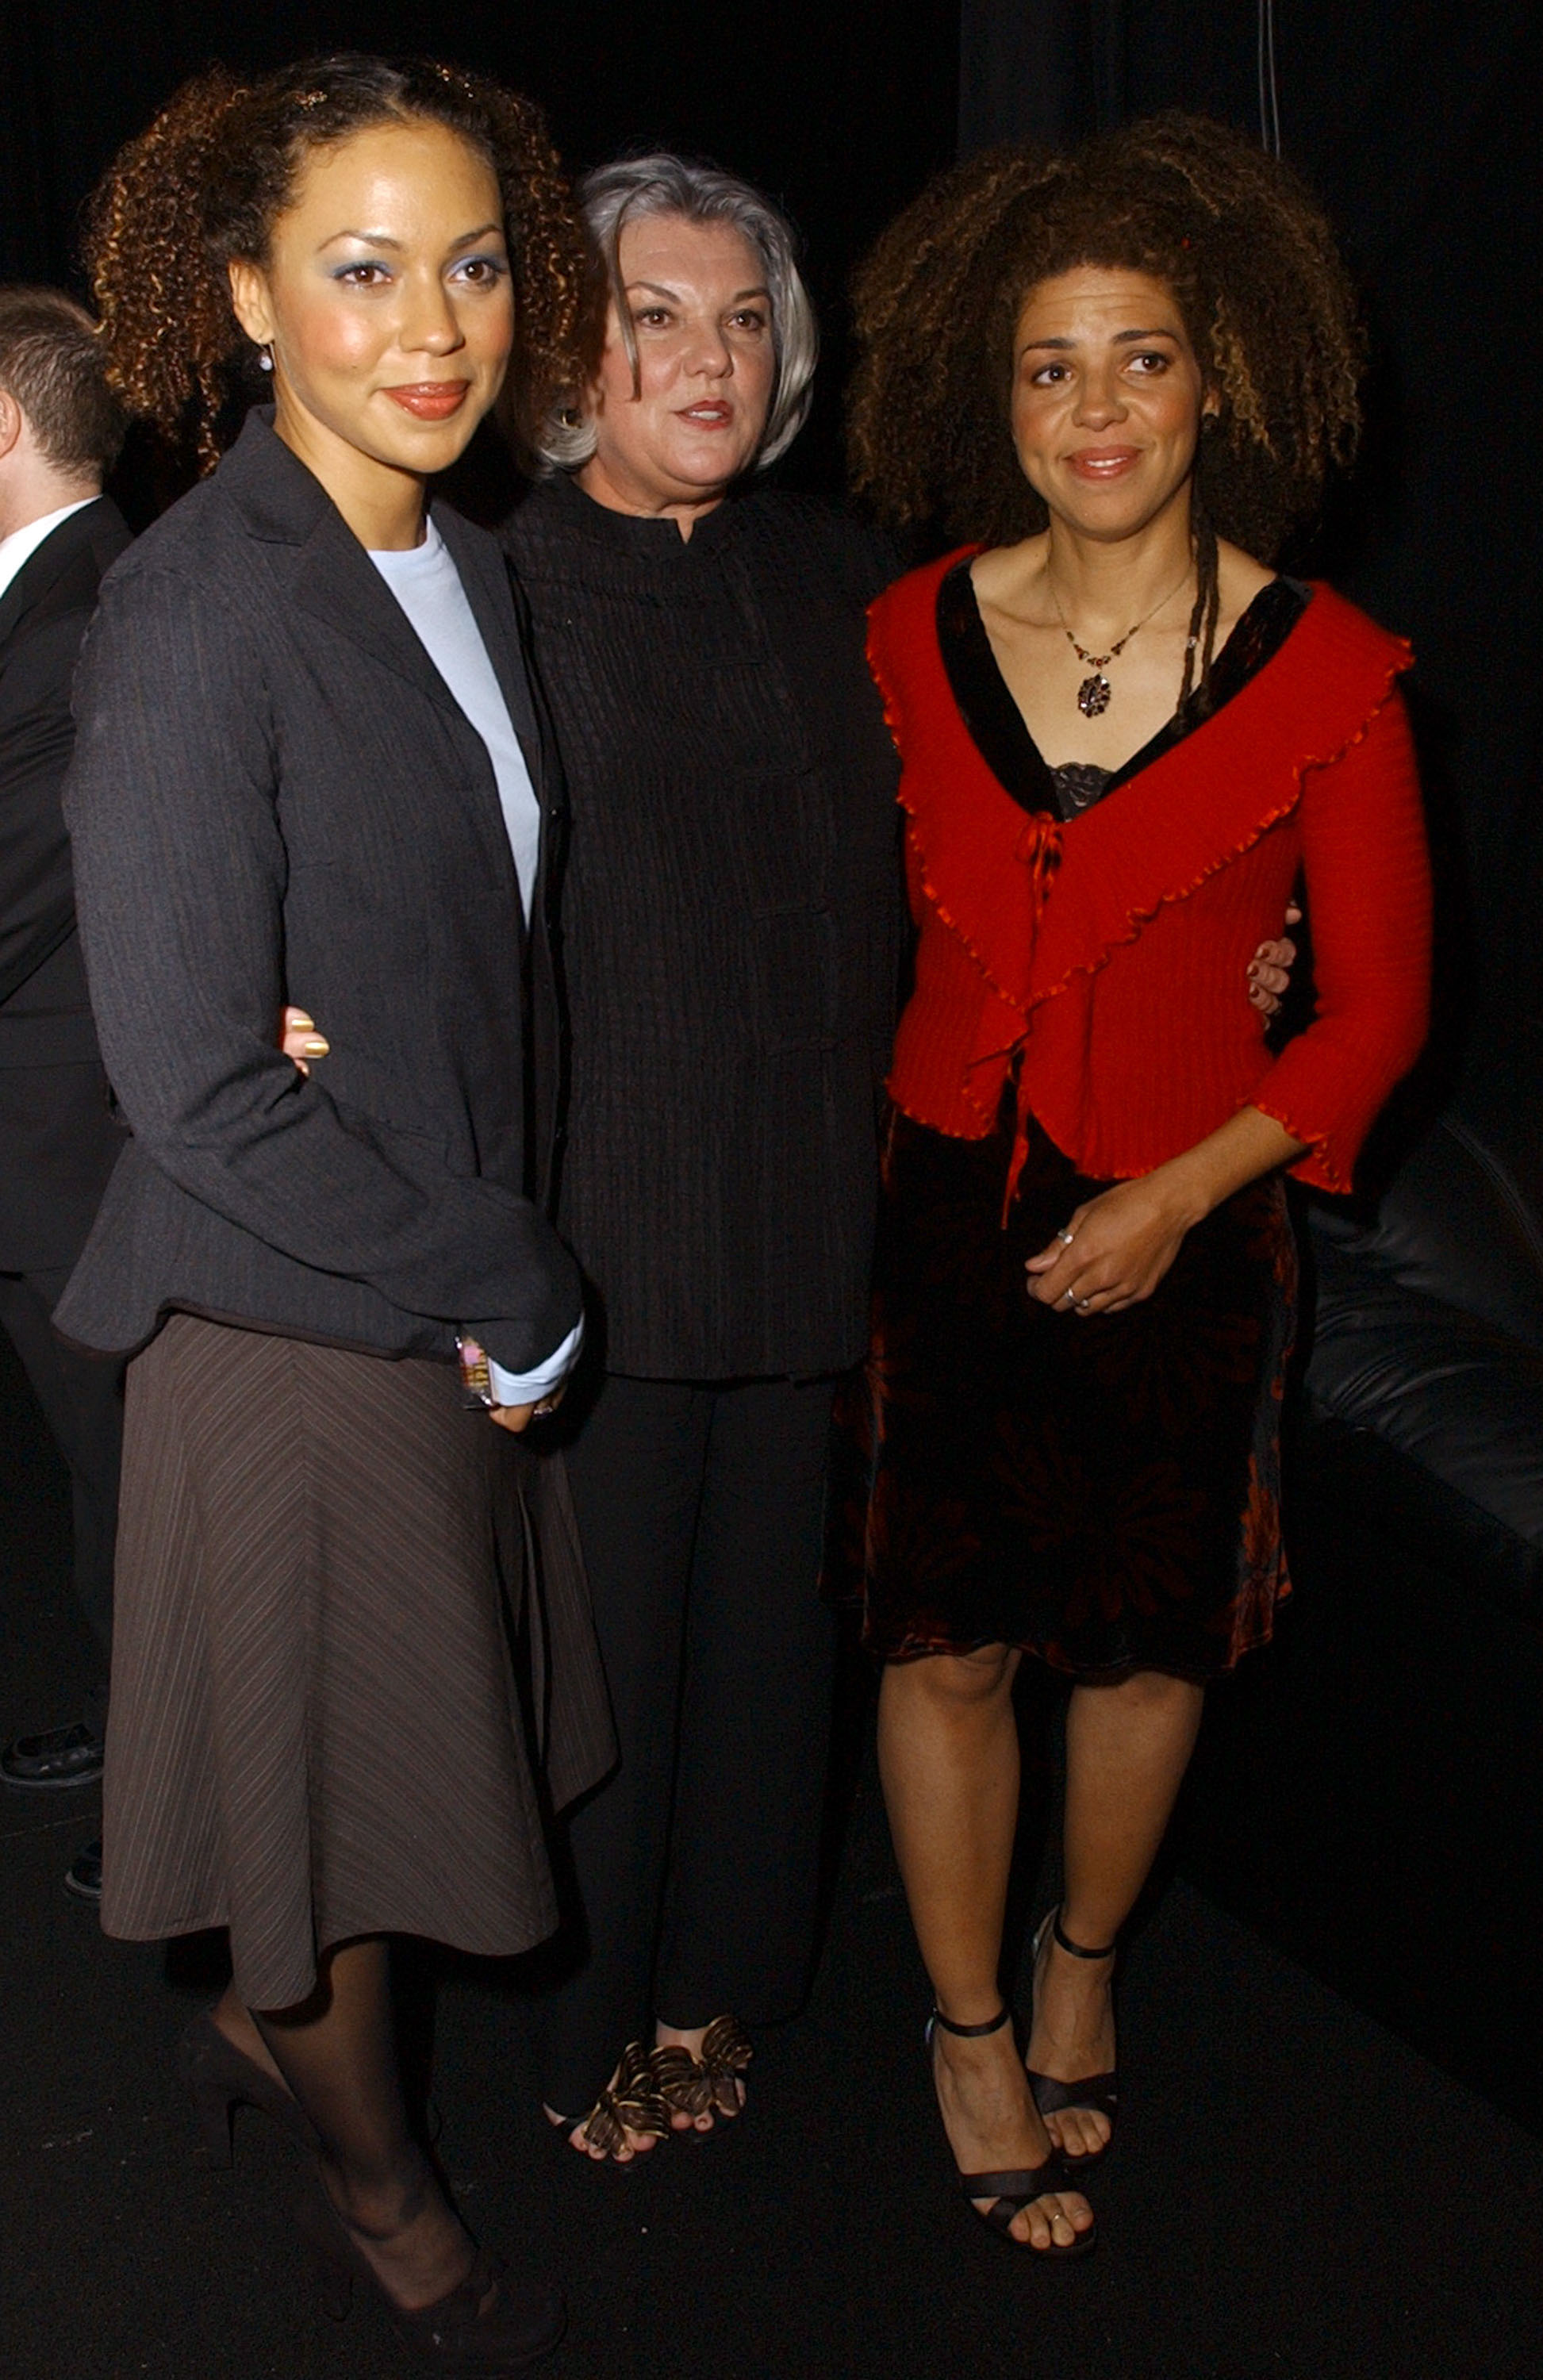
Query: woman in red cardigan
(1123, 738)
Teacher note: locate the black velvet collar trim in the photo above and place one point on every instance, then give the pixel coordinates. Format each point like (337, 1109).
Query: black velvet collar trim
(996, 725)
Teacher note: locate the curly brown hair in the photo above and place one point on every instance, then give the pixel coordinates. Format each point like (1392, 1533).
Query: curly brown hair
(204, 184)
(1254, 269)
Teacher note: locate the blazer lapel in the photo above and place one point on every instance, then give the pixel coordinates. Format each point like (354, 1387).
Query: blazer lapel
(337, 582)
(334, 580)
(498, 608)
(485, 574)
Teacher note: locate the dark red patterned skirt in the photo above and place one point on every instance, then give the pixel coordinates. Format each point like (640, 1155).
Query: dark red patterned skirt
(1103, 1491)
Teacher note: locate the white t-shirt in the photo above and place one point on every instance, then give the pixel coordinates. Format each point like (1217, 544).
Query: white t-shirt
(426, 584)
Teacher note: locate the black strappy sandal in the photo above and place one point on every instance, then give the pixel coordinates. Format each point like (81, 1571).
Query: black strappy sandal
(1101, 2093)
(1011, 2190)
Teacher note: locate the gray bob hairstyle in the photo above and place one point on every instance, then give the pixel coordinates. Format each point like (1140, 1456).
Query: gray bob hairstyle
(661, 184)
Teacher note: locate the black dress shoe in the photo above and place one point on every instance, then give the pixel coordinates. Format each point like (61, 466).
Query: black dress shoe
(60, 1756)
(83, 1876)
(489, 2328)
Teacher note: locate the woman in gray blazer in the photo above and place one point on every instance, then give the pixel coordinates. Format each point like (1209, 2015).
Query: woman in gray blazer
(310, 768)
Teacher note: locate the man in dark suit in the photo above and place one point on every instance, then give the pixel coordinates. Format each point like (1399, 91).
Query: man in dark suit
(60, 431)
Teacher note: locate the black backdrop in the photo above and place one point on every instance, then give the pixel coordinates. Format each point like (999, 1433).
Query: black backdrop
(1415, 119)
(1417, 122)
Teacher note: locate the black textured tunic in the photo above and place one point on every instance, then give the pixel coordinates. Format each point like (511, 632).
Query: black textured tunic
(731, 922)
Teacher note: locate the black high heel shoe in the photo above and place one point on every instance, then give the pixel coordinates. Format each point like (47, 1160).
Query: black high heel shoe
(1011, 2191)
(482, 2330)
(1099, 2091)
(221, 2078)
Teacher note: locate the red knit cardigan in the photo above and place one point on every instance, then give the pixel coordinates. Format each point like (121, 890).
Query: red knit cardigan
(1110, 952)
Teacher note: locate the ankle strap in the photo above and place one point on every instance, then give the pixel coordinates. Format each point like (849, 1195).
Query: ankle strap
(1076, 1950)
(972, 2031)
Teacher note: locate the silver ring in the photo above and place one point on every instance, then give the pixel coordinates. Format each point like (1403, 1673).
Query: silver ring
(1065, 1238)
(1082, 1304)
(1071, 1294)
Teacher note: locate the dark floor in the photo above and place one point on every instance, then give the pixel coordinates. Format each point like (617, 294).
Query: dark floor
(1295, 2193)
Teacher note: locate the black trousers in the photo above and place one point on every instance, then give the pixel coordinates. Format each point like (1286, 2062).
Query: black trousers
(81, 1398)
(701, 1511)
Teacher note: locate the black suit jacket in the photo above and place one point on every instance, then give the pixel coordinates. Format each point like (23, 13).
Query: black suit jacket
(58, 1142)
(276, 797)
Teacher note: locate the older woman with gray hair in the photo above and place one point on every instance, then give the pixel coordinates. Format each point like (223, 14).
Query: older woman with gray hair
(731, 929)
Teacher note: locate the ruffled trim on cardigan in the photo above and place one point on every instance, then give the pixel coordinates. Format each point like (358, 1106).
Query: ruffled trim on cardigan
(1117, 865)
(1156, 840)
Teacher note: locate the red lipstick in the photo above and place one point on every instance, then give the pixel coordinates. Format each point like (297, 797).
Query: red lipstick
(430, 400)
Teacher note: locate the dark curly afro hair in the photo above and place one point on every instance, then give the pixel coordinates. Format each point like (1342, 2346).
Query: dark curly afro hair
(205, 182)
(1237, 238)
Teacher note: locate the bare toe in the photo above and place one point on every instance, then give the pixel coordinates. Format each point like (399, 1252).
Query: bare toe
(1083, 2132)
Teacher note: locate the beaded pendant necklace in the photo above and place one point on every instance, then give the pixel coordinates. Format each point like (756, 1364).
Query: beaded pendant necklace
(1094, 693)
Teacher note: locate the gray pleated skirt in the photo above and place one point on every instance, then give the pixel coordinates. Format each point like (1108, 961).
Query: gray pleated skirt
(318, 1727)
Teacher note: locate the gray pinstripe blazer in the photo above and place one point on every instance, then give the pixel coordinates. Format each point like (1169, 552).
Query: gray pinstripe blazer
(276, 797)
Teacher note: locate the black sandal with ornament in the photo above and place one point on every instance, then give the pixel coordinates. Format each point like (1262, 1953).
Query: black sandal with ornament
(629, 2103)
(707, 2085)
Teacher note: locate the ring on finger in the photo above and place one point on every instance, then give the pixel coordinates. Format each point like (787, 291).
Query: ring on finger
(1083, 1304)
(1065, 1238)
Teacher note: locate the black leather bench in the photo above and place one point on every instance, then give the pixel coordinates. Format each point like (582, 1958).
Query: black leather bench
(1369, 1794)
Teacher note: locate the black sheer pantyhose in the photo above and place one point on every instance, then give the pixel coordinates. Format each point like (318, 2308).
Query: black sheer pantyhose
(337, 2052)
